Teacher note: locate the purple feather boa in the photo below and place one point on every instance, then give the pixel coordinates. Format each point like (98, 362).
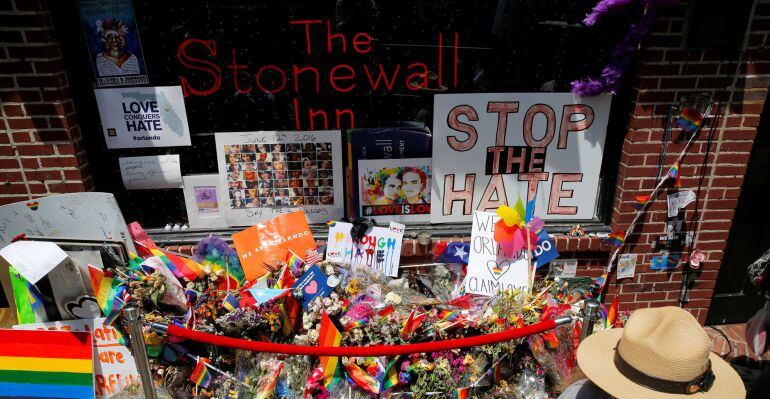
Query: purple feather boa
(623, 54)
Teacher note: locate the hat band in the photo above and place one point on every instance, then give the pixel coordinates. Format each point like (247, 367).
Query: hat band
(702, 383)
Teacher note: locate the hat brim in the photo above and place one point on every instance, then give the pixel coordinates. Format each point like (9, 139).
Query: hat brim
(595, 356)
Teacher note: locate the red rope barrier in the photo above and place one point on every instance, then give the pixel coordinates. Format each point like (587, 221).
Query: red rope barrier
(362, 351)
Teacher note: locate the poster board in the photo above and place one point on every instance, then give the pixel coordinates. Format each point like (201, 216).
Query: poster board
(395, 189)
(489, 149)
(380, 248)
(266, 174)
(139, 117)
(114, 365)
(77, 216)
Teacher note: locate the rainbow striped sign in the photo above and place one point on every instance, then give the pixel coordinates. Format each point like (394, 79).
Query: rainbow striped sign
(46, 364)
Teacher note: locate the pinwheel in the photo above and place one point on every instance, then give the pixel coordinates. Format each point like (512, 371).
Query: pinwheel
(517, 229)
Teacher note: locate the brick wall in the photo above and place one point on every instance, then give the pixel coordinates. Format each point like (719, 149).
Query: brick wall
(665, 72)
(41, 150)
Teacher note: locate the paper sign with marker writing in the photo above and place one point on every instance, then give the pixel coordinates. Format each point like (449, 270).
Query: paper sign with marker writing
(114, 366)
(626, 266)
(489, 270)
(678, 201)
(154, 171)
(380, 248)
(33, 259)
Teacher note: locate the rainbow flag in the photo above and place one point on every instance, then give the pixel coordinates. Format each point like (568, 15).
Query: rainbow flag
(293, 261)
(674, 174)
(362, 379)
(612, 314)
(105, 288)
(640, 201)
(616, 238)
(329, 335)
(182, 268)
(201, 376)
(46, 364)
(461, 393)
(690, 119)
(390, 379)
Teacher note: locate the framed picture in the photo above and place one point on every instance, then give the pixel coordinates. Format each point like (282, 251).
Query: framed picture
(205, 207)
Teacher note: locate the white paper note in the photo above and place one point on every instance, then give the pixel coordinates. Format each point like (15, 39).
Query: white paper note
(678, 201)
(626, 266)
(155, 171)
(33, 259)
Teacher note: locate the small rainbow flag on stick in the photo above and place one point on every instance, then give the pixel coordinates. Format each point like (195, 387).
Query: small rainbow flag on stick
(612, 314)
(460, 393)
(363, 379)
(105, 288)
(690, 119)
(201, 376)
(674, 174)
(640, 201)
(616, 238)
(294, 261)
(329, 335)
(46, 364)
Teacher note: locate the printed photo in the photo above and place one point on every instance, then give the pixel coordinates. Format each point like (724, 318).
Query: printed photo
(280, 174)
(395, 187)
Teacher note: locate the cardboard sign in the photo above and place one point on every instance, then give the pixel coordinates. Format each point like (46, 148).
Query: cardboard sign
(395, 189)
(626, 266)
(261, 245)
(679, 200)
(114, 366)
(266, 174)
(489, 270)
(563, 268)
(489, 149)
(137, 117)
(113, 42)
(151, 172)
(313, 284)
(65, 216)
(380, 248)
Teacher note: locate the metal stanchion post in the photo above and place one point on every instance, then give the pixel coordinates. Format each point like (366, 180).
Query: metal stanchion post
(590, 316)
(131, 314)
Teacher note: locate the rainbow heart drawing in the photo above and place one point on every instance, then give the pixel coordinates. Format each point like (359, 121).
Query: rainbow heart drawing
(498, 269)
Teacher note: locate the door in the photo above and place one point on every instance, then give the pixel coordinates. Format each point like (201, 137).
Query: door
(735, 298)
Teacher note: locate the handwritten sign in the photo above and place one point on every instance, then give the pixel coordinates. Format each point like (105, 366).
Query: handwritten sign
(114, 365)
(266, 174)
(626, 266)
(489, 270)
(489, 149)
(150, 172)
(679, 200)
(137, 117)
(379, 249)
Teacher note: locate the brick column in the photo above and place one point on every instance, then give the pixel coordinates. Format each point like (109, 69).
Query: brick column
(665, 72)
(41, 151)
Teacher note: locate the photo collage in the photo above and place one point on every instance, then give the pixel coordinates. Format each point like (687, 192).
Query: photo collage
(283, 174)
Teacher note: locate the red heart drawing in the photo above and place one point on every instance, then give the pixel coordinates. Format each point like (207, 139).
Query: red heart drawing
(311, 288)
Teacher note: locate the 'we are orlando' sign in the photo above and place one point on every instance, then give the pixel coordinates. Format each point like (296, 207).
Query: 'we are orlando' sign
(489, 149)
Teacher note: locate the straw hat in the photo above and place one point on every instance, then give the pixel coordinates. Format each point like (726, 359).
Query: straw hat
(661, 353)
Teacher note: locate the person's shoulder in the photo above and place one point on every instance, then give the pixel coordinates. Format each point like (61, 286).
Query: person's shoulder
(584, 389)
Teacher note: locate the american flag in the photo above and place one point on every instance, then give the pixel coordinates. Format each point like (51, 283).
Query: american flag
(312, 257)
